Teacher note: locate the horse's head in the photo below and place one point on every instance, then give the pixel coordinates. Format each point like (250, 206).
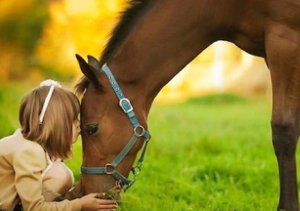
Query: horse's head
(112, 131)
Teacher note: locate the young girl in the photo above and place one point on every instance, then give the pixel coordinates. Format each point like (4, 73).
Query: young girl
(31, 169)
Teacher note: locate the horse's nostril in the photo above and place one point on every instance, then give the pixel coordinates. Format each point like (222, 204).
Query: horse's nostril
(90, 129)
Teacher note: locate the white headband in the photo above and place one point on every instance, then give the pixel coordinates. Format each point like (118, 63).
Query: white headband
(52, 85)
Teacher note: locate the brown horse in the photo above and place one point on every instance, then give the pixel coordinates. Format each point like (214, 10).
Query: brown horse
(153, 41)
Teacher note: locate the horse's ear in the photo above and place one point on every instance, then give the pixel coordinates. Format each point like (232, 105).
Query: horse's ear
(88, 70)
(92, 61)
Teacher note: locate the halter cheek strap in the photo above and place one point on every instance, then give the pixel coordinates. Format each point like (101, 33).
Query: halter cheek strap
(139, 132)
(52, 85)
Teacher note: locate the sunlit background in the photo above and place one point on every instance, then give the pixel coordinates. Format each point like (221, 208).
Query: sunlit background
(38, 40)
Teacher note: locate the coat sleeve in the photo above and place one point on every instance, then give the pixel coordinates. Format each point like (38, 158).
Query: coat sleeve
(29, 164)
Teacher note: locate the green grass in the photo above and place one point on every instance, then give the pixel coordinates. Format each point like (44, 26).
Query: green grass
(212, 153)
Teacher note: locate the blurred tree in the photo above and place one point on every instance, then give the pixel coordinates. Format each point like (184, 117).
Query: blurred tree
(39, 39)
(75, 26)
(21, 27)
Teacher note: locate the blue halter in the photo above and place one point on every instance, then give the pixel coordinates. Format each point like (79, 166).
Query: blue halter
(138, 132)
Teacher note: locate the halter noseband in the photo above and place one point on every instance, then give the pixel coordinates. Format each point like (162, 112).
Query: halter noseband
(138, 132)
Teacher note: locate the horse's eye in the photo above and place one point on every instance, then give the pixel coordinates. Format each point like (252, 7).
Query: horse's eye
(90, 129)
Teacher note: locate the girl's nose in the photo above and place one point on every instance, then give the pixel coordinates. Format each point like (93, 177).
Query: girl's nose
(78, 127)
(79, 130)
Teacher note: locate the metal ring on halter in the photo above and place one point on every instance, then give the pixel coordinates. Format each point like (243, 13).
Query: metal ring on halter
(142, 131)
(109, 168)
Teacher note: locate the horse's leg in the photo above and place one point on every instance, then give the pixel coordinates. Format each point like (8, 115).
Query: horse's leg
(284, 63)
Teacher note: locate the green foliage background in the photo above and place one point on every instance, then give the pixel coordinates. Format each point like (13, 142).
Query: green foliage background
(25, 29)
(20, 33)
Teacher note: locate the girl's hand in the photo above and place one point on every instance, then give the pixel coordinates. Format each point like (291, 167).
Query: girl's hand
(90, 202)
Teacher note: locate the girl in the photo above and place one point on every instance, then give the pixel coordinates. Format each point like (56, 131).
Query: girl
(32, 171)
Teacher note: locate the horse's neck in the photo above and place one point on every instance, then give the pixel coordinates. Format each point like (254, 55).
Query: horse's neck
(163, 40)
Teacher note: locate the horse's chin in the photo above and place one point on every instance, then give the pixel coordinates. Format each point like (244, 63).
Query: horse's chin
(105, 186)
(113, 193)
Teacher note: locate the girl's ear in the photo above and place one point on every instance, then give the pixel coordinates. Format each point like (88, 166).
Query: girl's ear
(91, 69)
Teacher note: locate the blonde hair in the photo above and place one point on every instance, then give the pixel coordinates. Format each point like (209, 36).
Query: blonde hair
(55, 133)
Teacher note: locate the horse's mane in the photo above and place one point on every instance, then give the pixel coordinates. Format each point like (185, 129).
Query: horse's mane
(127, 20)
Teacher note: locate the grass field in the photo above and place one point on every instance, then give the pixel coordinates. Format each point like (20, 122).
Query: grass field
(211, 153)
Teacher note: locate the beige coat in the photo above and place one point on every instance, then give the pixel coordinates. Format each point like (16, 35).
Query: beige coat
(21, 165)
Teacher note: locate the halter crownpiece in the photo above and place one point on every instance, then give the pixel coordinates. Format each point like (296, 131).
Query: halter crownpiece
(52, 85)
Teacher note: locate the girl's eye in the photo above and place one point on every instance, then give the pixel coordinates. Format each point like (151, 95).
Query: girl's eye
(91, 129)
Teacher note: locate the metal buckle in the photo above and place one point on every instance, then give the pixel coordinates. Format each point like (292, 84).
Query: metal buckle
(126, 105)
(139, 131)
(109, 168)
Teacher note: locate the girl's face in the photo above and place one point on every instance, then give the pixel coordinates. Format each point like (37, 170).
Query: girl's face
(76, 130)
